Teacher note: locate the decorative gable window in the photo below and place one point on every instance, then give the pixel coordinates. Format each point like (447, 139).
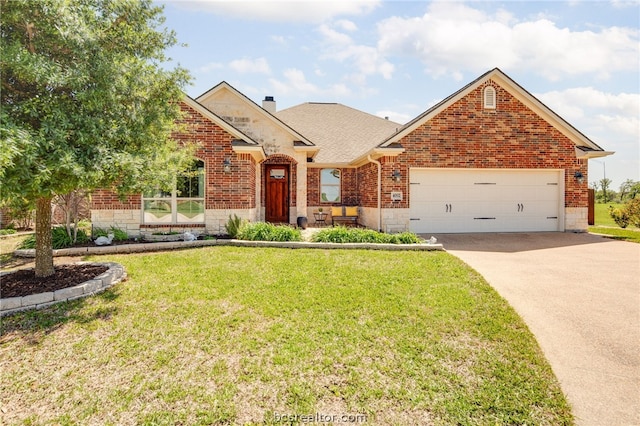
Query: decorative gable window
(330, 185)
(489, 97)
(185, 204)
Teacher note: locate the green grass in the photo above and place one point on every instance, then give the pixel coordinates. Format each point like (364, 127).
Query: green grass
(604, 224)
(627, 234)
(8, 245)
(602, 217)
(228, 335)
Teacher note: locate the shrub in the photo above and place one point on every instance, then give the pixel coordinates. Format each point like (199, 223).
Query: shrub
(118, 234)
(7, 231)
(633, 210)
(627, 214)
(261, 231)
(619, 216)
(233, 226)
(59, 239)
(341, 234)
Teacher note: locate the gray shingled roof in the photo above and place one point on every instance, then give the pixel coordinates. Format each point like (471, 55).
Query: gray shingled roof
(342, 133)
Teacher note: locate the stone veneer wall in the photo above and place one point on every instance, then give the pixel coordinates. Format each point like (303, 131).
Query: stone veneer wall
(576, 219)
(126, 219)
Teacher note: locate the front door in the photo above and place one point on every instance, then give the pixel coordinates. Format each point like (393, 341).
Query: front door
(277, 193)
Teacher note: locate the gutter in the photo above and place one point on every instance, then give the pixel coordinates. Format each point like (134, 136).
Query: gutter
(371, 160)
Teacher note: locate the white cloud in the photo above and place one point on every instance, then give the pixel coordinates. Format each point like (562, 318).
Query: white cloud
(246, 65)
(366, 60)
(610, 120)
(298, 11)
(211, 66)
(347, 25)
(295, 83)
(395, 116)
(452, 38)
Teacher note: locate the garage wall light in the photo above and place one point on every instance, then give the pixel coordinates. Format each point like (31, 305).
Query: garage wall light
(578, 176)
(226, 165)
(396, 175)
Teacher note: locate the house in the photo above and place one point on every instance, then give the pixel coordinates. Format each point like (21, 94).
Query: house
(489, 158)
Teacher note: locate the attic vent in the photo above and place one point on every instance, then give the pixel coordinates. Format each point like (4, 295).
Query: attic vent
(489, 97)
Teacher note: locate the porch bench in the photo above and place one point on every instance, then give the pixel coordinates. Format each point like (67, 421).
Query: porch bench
(344, 214)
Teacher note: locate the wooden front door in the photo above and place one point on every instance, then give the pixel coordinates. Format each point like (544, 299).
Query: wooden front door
(277, 193)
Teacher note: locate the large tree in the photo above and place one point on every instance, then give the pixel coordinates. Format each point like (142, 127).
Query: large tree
(88, 101)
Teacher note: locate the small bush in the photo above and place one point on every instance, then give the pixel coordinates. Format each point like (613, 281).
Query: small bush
(633, 210)
(627, 214)
(233, 226)
(261, 231)
(7, 231)
(118, 234)
(619, 216)
(341, 234)
(59, 239)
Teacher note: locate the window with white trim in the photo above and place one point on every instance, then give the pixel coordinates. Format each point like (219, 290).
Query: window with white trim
(489, 97)
(183, 205)
(330, 185)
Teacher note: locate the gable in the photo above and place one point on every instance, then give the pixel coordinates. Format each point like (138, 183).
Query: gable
(584, 147)
(244, 114)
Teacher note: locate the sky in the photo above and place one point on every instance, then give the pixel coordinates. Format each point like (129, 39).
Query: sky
(396, 59)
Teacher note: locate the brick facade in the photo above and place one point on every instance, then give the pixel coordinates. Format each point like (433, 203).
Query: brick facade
(349, 192)
(224, 190)
(462, 135)
(466, 135)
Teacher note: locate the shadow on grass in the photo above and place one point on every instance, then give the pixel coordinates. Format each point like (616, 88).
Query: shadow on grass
(33, 325)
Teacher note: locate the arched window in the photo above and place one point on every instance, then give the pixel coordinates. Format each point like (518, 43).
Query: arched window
(489, 97)
(185, 204)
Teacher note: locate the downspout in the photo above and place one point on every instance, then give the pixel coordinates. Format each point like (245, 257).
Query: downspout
(371, 160)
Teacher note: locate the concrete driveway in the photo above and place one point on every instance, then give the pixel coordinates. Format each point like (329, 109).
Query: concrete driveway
(580, 296)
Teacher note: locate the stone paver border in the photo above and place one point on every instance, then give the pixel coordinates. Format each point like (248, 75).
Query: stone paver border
(147, 247)
(110, 277)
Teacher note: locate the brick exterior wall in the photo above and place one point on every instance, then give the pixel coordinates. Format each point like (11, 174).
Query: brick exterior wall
(233, 190)
(466, 135)
(368, 185)
(349, 189)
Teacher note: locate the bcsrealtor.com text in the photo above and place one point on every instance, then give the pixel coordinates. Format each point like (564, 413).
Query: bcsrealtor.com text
(319, 418)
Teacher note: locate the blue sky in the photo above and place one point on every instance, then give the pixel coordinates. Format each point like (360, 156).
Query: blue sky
(398, 58)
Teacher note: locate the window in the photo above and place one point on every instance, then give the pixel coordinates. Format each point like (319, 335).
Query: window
(330, 185)
(489, 97)
(185, 204)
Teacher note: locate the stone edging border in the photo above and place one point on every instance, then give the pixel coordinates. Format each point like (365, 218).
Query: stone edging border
(110, 277)
(147, 247)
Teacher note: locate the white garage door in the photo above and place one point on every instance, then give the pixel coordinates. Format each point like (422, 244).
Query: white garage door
(479, 200)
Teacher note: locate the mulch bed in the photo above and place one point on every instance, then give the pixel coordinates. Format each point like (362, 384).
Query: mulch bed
(24, 282)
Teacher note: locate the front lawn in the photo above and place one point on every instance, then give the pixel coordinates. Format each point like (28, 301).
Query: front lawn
(229, 335)
(605, 225)
(602, 216)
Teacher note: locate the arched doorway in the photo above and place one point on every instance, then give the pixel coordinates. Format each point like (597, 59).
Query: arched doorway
(279, 184)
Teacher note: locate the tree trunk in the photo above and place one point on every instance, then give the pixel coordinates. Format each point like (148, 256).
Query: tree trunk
(44, 250)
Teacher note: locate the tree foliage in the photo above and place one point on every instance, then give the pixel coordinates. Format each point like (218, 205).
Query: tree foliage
(87, 98)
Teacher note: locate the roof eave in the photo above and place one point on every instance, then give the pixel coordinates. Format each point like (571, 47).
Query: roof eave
(257, 152)
(377, 153)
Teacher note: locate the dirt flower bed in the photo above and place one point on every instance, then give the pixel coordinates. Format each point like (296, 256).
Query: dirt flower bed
(24, 282)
